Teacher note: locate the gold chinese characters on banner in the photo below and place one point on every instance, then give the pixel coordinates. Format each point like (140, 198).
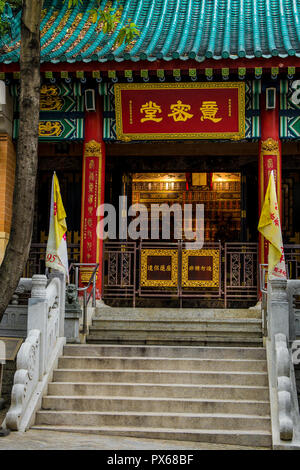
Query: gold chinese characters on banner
(180, 110)
(159, 268)
(200, 268)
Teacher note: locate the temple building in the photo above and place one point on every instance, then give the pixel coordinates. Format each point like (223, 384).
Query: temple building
(197, 109)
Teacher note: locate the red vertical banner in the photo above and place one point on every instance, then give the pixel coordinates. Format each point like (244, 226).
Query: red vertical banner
(93, 181)
(269, 159)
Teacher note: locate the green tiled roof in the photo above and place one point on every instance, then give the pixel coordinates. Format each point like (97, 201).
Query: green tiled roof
(170, 29)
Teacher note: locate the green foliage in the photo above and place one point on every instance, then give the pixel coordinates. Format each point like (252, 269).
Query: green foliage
(109, 18)
(73, 3)
(128, 33)
(5, 22)
(14, 4)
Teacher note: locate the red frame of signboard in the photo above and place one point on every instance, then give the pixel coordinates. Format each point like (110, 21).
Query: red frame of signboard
(150, 111)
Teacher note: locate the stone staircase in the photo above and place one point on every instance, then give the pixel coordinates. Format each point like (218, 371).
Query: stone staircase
(171, 326)
(189, 393)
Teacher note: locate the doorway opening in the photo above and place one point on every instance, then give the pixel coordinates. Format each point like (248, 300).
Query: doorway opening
(219, 192)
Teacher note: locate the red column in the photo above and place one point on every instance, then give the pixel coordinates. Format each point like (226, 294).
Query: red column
(269, 159)
(93, 185)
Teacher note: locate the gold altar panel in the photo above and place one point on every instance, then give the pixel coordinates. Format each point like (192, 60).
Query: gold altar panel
(200, 268)
(219, 192)
(159, 268)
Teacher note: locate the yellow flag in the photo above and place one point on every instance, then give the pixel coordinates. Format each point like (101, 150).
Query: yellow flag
(57, 252)
(60, 226)
(269, 226)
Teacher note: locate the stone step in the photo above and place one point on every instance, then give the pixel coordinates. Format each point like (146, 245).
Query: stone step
(209, 392)
(155, 405)
(182, 318)
(171, 314)
(165, 351)
(172, 326)
(218, 342)
(163, 420)
(165, 337)
(70, 362)
(230, 326)
(161, 376)
(234, 437)
(171, 334)
(196, 393)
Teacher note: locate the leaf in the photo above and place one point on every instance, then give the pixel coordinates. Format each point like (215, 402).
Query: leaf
(121, 37)
(94, 17)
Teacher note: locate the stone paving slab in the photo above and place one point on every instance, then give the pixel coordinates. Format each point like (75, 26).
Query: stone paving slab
(54, 440)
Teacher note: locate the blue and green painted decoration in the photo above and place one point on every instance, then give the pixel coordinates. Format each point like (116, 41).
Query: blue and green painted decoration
(62, 112)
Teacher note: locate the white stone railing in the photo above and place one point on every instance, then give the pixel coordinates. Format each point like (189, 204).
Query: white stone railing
(39, 354)
(284, 387)
(283, 392)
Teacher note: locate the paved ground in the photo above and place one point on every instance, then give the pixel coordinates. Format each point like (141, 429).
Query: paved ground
(52, 440)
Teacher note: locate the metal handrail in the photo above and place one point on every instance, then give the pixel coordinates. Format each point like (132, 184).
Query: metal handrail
(263, 269)
(86, 295)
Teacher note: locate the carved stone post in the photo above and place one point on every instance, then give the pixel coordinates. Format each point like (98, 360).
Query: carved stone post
(38, 314)
(278, 307)
(62, 278)
(278, 315)
(284, 387)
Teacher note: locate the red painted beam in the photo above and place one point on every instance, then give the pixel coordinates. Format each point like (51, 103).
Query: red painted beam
(233, 65)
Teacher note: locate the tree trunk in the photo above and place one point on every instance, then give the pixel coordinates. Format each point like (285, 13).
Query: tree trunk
(27, 154)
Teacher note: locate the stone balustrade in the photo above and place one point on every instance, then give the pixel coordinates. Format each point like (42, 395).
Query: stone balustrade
(281, 335)
(39, 354)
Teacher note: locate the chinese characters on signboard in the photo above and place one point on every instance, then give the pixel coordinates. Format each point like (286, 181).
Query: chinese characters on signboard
(188, 111)
(200, 268)
(159, 268)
